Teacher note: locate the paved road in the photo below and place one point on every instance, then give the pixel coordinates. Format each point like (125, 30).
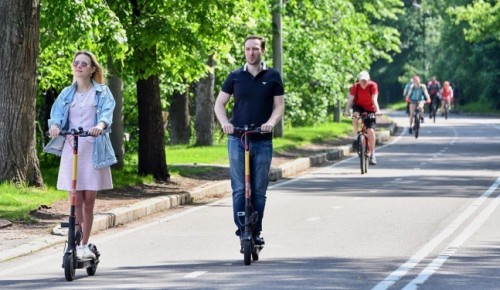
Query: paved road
(425, 217)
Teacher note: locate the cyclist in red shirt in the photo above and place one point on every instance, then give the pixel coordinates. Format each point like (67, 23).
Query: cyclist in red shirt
(446, 95)
(363, 97)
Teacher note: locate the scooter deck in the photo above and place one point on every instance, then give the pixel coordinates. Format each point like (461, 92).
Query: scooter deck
(85, 263)
(258, 248)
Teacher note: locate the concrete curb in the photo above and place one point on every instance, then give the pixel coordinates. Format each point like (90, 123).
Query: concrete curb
(133, 212)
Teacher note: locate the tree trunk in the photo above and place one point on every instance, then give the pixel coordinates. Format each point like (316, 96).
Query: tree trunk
(116, 87)
(19, 34)
(204, 123)
(152, 158)
(278, 53)
(179, 119)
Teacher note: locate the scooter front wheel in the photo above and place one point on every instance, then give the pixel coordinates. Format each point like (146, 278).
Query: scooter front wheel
(69, 262)
(247, 251)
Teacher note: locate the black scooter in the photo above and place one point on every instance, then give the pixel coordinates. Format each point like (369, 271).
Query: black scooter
(70, 259)
(250, 250)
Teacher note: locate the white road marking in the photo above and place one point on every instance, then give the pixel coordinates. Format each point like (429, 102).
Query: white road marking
(427, 248)
(195, 274)
(453, 246)
(337, 206)
(313, 219)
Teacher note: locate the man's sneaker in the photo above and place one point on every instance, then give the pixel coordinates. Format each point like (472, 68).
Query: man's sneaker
(259, 241)
(86, 253)
(411, 131)
(373, 160)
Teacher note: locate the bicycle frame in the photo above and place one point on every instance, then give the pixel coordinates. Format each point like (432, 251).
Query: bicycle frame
(363, 142)
(416, 121)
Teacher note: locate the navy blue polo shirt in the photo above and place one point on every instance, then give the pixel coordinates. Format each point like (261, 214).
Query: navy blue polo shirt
(253, 96)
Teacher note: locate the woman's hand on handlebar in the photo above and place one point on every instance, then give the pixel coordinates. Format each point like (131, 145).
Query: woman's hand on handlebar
(95, 131)
(54, 131)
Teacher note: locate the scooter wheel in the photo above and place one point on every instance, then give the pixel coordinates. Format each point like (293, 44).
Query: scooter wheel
(69, 262)
(247, 252)
(93, 269)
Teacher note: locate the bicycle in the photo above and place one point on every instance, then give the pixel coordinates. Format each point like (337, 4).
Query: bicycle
(249, 249)
(70, 260)
(446, 110)
(416, 121)
(363, 146)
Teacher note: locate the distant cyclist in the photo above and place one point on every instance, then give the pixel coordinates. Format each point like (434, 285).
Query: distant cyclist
(433, 87)
(363, 97)
(416, 97)
(446, 96)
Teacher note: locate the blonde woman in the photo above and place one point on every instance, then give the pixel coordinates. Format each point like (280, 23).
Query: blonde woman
(89, 104)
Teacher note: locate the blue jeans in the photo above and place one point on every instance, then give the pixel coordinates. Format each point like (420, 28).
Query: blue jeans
(261, 153)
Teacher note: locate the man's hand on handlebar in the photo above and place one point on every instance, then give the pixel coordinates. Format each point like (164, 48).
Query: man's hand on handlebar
(267, 127)
(227, 128)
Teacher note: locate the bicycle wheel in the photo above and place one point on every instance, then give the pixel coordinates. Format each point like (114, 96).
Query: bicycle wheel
(362, 154)
(366, 156)
(446, 112)
(416, 127)
(434, 110)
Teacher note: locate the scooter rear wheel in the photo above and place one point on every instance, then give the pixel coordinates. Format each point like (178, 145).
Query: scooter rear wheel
(255, 255)
(93, 269)
(69, 266)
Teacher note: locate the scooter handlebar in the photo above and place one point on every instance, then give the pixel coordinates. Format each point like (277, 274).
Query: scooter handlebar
(74, 132)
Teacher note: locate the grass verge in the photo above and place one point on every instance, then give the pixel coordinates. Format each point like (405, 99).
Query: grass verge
(17, 201)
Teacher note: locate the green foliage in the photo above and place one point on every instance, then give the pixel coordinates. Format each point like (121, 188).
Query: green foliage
(68, 26)
(483, 18)
(327, 43)
(295, 138)
(482, 106)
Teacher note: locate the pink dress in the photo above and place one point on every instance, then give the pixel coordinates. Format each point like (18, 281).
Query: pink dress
(82, 113)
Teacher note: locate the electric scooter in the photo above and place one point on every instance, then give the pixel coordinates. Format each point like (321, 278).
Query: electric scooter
(70, 260)
(249, 249)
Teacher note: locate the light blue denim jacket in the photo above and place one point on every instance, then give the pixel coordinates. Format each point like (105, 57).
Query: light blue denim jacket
(103, 154)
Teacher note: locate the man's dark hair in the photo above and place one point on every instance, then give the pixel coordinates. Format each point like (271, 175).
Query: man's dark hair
(261, 38)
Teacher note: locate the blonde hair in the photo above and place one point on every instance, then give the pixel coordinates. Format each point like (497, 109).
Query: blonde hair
(98, 74)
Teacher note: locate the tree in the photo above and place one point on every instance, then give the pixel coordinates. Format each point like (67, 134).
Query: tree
(483, 18)
(204, 121)
(19, 28)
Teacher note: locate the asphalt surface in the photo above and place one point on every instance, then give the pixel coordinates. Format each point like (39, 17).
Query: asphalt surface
(424, 217)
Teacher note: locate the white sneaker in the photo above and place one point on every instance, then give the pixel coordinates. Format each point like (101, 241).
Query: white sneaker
(87, 253)
(79, 252)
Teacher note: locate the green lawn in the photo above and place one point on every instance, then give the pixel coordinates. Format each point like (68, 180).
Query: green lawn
(16, 202)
